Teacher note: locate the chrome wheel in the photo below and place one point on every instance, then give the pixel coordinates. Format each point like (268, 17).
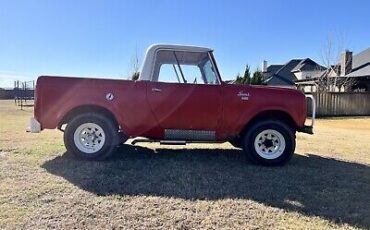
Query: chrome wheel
(89, 138)
(269, 144)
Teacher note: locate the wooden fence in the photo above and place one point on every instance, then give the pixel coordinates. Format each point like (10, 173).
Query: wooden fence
(341, 104)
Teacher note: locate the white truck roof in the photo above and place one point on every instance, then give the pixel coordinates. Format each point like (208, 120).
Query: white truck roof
(148, 64)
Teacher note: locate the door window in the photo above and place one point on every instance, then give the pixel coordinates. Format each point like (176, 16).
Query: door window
(184, 67)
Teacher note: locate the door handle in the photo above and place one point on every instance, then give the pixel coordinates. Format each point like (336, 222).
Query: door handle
(156, 90)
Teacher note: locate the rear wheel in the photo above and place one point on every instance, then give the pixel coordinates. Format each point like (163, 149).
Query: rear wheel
(91, 136)
(269, 143)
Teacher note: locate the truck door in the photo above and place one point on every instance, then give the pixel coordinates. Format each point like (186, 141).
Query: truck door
(184, 96)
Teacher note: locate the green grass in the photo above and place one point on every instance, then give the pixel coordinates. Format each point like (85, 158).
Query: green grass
(325, 186)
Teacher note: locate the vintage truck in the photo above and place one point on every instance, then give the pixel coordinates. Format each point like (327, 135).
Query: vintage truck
(178, 98)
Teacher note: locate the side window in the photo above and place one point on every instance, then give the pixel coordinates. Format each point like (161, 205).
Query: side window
(192, 74)
(172, 74)
(183, 67)
(167, 73)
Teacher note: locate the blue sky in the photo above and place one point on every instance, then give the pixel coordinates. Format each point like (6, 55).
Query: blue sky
(100, 38)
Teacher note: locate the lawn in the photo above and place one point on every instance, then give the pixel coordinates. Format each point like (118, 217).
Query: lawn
(325, 185)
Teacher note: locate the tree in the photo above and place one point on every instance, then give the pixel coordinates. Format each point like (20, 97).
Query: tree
(246, 78)
(331, 79)
(256, 78)
(247, 75)
(239, 79)
(134, 75)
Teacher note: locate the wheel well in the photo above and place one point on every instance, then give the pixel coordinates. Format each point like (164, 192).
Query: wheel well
(271, 114)
(87, 109)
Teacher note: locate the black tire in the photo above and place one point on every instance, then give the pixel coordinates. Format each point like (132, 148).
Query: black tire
(104, 150)
(271, 134)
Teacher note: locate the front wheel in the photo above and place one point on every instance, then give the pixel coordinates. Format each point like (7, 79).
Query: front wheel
(269, 143)
(91, 136)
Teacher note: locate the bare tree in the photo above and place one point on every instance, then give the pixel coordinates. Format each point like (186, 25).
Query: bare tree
(134, 66)
(331, 79)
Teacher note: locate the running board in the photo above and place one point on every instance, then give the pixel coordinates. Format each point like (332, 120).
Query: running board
(173, 142)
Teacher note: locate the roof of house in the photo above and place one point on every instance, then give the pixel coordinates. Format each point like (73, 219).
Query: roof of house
(274, 68)
(307, 65)
(286, 70)
(361, 59)
(284, 74)
(361, 72)
(271, 70)
(360, 64)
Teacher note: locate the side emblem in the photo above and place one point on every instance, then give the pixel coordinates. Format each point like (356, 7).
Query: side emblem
(244, 96)
(109, 96)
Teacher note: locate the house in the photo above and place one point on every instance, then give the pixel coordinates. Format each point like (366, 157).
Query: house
(351, 74)
(356, 67)
(287, 74)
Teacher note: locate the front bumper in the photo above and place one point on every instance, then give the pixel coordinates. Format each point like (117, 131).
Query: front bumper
(309, 128)
(34, 126)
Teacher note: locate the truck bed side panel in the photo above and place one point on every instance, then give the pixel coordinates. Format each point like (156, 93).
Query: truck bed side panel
(56, 96)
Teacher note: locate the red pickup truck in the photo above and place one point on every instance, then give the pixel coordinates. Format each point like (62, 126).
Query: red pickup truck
(179, 98)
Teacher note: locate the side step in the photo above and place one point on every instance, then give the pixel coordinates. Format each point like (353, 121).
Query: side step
(171, 142)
